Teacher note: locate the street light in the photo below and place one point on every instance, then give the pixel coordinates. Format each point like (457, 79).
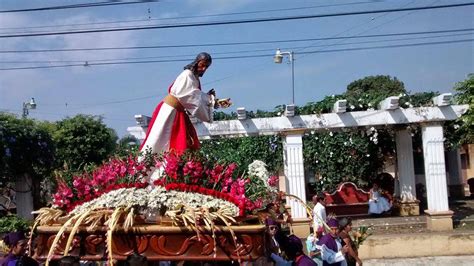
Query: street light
(27, 106)
(278, 58)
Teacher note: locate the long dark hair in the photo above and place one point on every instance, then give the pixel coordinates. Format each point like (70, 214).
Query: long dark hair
(202, 56)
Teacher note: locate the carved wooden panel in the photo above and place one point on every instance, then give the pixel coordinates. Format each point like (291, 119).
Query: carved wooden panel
(159, 243)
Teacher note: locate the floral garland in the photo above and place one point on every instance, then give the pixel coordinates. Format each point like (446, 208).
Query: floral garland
(155, 200)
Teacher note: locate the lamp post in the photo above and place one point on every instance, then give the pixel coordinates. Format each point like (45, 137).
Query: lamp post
(27, 106)
(278, 58)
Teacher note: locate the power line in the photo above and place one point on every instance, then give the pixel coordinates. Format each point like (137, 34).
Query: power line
(82, 61)
(239, 57)
(196, 16)
(83, 5)
(235, 43)
(230, 22)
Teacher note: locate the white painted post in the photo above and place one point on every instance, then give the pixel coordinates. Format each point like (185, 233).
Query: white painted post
(406, 169)
(435, 175)
(294, 171)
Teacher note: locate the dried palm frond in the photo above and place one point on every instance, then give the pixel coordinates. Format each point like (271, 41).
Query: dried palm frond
(112, 223)
(74, 229)
(47, 216)
(129, 220)
(58, 237)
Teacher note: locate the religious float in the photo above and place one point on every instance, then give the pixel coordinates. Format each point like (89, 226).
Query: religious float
(165, 207)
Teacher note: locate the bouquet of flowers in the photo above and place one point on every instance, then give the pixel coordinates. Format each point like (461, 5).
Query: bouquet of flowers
(360, 235)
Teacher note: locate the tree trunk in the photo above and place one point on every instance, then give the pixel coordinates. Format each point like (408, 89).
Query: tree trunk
(24, 196)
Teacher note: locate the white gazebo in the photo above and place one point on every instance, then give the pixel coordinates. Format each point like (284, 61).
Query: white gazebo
(292, 128)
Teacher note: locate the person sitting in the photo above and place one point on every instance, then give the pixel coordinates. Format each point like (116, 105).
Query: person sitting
(313, 249)
(377, 203)
(272, 246)
(17, 242)
(332, 251)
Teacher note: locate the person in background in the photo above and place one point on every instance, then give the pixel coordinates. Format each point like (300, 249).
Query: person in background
(272, 246)
(332, 251)
(296, 254)
(352, 255)
(377, 203)
(313, 249)
(18, 243)
(319, 214)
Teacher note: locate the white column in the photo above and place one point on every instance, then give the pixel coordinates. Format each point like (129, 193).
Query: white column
(294, 172)
(435, 170)
(406, 169)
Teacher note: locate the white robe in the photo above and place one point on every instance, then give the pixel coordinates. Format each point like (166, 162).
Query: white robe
(319, 216)
(186, 88)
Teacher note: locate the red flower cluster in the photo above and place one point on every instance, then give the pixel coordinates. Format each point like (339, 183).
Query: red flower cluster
(115, 174)
(187, 172)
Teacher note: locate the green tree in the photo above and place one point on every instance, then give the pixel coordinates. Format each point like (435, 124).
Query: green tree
(83, 140)
(245, 150)
(25, 148)
(127, 145)
(369, 91)
(465, 124)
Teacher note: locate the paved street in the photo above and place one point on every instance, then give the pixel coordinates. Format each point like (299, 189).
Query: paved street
(432, 261)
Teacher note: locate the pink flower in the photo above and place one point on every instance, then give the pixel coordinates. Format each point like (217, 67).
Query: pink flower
(172, 166)
(194, 170)
(273, 180)
(215, 174)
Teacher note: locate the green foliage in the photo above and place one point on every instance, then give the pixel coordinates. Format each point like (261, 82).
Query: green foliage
(83, 139)
(369, 91)
(340, 156)
(26, 147)
(465, 125)
(127, 145)
(245, 150)
(323, 106)
(13, 223)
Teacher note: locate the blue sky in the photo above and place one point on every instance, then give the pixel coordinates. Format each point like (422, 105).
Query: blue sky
(118, 92)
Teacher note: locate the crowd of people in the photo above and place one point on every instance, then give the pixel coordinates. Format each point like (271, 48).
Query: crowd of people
(330, 242)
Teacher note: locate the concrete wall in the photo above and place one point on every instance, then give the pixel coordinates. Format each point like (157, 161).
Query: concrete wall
(418, 245)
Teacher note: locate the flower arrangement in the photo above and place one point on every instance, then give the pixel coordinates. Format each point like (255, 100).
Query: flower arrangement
(360, 235)
(190, 189)
(127, 182)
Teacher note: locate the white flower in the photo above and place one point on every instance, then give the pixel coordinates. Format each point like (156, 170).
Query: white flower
(370, 104)
(345, 143)
(367, 155)
(155, 200)
(352, 107)
(456, 126)
(331, 134)
(279, 113)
